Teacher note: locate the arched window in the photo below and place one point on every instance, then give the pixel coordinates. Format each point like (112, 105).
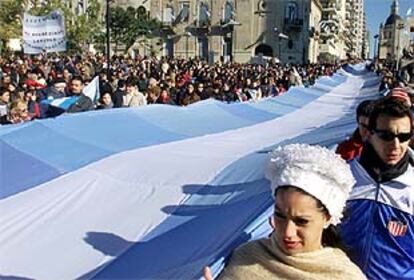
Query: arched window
(262, 6)
(203, 14)
(168, 15)
(291, 11)
(228, 12)
(184, 14)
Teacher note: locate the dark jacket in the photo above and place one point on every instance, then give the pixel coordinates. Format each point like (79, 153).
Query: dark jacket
(117, 98)
(83, 104)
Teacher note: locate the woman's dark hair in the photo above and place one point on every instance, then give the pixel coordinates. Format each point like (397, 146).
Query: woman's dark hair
(364, 108)
(330, 235)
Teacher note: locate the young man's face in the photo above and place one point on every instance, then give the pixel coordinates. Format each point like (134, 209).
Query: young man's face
(388, 147)
(76, 87)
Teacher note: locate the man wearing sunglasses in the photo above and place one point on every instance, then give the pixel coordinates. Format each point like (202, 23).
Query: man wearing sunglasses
(379, 229)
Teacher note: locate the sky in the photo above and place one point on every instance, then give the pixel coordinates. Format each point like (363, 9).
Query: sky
(377, 11)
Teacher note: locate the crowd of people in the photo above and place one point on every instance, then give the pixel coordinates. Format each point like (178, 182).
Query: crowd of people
(28, 84)
(311, 238)
(337, 219)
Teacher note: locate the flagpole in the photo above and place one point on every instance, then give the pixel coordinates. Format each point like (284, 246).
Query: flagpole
(108, 44)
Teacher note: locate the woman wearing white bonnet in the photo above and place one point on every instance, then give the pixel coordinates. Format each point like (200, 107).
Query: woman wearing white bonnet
(311, 185)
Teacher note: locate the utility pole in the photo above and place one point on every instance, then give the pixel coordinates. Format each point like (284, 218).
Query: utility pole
(399, 27)
(108, 40)
(375, 46)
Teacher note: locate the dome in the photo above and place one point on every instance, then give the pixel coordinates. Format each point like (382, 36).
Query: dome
(392, 19)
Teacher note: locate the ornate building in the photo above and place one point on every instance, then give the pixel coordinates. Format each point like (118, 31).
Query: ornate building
(332, 43)
(393, 37)
(229, 29)
(294, 31)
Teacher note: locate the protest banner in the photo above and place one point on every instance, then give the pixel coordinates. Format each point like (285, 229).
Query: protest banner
(44, 33)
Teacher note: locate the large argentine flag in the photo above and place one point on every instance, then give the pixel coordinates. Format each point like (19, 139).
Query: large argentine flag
(156, 192)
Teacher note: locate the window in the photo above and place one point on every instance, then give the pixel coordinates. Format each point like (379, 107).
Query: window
(291, 11)
(184, 14)
(203, 15)
(262, 6)
(168, 15)
(228, 13)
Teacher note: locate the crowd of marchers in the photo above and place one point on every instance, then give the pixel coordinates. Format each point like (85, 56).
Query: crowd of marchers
(26, 82)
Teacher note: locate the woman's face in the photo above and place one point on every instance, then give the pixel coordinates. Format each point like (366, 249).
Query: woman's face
(298, 222)
(106, 99)
(5, 97)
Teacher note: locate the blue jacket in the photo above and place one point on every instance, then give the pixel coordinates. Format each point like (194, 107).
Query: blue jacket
(378, 228)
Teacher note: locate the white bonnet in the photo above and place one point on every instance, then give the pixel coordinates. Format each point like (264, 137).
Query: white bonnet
(314, 169)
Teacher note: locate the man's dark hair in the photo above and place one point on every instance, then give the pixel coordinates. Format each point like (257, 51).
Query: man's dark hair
(390, 107)
(364, 108)
(77, 78)
(121, 83)
(131, 82)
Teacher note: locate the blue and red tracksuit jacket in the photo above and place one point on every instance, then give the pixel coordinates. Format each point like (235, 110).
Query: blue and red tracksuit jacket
(378, 228)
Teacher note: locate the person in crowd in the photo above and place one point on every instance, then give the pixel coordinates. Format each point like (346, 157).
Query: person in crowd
(19, 112)
(378, 231)
(33, 105)
(84, 103)
(104, 85)
(386, 82)
(142, 82)
(273, 90)
(402, 94)
(4, 105)
(153, 93)
(229, 94)
(172, 91)
(118, 95)
(281, 89)
(190, 95)
(6, 80)
(201, 91)
(175, 73)
(56, 90)
(352, 147)
(254, 91)
(164, 98)
(105, 102)
(132, 97)
(67, 75)
(294, 78)
(310, 185)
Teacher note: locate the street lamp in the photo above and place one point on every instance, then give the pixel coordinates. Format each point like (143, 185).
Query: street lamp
(186, 35)
(281, 36)
(228, 47)
(399, 27)
(108, 44)
(375, 46)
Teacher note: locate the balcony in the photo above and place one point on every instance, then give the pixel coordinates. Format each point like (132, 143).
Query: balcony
(331, 9)
(295, 23)
(328, 47)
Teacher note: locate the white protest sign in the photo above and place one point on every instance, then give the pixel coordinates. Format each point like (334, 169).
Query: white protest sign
(44, 33)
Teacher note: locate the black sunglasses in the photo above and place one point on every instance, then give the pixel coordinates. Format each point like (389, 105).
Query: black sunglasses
(387, 135)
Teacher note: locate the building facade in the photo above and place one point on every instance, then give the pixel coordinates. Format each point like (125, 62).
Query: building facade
(394, 36)
(355, 28)
(239, 30)
(293, 31)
